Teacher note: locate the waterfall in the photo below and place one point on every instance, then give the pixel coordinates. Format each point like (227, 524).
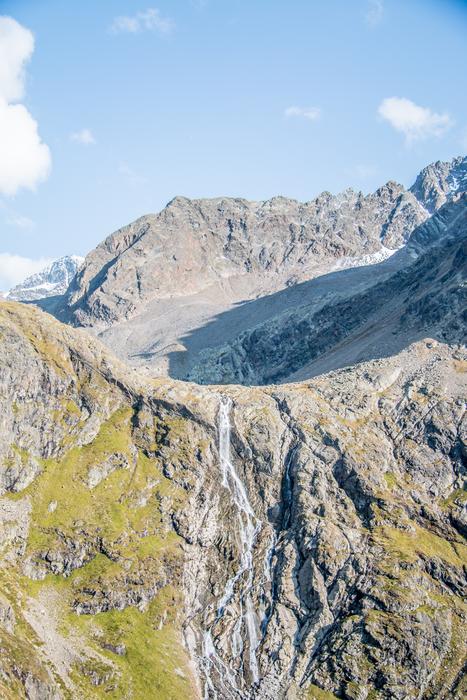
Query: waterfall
(240, 584)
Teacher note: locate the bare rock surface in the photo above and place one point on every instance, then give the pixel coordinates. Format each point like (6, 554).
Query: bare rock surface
(171, 287)
(423, 295)
(265, 542)
(295, 527)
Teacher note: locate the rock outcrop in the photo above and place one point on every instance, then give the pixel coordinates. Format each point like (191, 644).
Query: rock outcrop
(138, 502)
(424, 296)
(194, 244)
(439, 182)
(169, 287)
(295, 541)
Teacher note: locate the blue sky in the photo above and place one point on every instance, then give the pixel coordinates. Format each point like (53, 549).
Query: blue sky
(139, 101)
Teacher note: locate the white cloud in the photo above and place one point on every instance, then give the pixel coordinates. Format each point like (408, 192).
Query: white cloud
(311, 113)
(85, 136)
(148, 20)
(24, 158)
(14, 269)
(374, 13)
(19, 221)
(16, 48)
(415, 122)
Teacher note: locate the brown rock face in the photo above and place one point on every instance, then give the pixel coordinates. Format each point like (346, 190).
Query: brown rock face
(193, 244)
(164, 539)
(352, 576)
(169, 288)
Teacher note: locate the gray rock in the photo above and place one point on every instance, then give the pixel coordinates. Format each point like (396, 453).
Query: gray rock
(171, 289)
(53, 280)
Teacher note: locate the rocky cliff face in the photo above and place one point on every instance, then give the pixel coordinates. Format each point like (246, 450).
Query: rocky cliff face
(163, 539)
(52, 281)
(169, 288)
(192, 245)
(439, 182)
(424, 295)
(166, 540)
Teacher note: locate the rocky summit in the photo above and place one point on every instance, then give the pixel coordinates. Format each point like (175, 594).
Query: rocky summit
(289, 522)
(53, 280)
(191, 282)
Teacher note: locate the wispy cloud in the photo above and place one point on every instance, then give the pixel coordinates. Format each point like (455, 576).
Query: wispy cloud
(84, 136)
(311, 113)
(133, 178)
(25, 159)
(13, 218)
(149, 20)
(374, 13)
(19, 221)
(15, 268)
(415, 122)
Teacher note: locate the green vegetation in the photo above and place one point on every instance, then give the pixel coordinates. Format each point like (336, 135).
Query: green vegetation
(113, 509)
(390, 480)
(458, 496)
(407, 546)
(34, 327)
(153, 664)
(315, 693)
(123, 526)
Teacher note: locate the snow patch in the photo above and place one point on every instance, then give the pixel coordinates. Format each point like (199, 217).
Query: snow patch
(368, 259)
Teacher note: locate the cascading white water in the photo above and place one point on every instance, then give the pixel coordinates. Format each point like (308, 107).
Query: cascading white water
(242, 581)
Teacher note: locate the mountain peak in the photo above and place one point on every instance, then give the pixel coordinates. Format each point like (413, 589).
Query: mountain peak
(439, 182)
(53, 280)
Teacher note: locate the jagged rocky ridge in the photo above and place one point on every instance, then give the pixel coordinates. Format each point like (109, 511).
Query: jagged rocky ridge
(165, 289)
(424, 295)
(128, 505)
(439, 182)
(53, 280)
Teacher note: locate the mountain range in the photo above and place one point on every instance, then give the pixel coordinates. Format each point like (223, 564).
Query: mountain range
(181, 291)
(286, 522)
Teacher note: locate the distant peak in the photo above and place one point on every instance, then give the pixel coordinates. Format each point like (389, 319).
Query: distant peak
(53, 280)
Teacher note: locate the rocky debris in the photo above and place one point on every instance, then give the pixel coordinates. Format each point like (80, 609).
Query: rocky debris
(53, 280)
(101, 471)
(36, 689)
(21, 470)
(100, 675)
(119, 649)
(168, 288)
(355, 480)
(203, 242)
(14, 527)
(42, 614)
(426, 297)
